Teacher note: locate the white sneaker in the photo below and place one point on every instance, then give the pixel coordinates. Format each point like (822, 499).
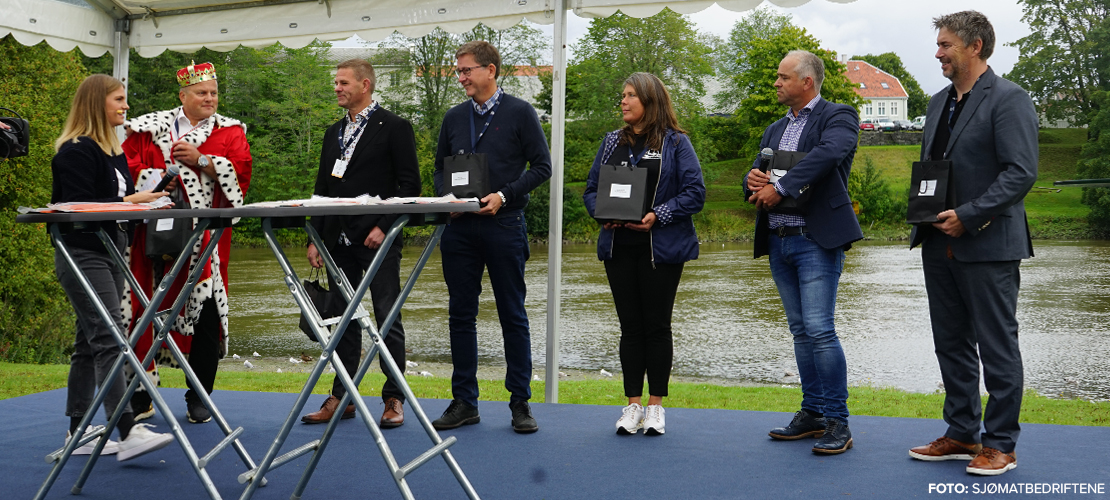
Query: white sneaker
(140, 441)
(654, 420)
(632, 419)
(109, 449)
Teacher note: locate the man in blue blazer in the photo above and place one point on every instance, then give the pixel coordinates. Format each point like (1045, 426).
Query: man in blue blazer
(807, 251)
(369, 151)
(987, 127)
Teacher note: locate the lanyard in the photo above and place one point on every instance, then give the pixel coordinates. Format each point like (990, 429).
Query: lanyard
(474, 140)
(177, 128)
(637, 159)
(356, 134)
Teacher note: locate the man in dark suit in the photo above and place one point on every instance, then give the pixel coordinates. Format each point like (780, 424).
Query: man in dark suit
(807, 250)
(987, 127)
(369, 151)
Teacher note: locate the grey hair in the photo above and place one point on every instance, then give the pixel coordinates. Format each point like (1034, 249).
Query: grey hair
(969, 26)
(809, 65)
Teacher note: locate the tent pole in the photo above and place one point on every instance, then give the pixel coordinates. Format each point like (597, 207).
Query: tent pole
(555, 217)
(121, 59)
(122, 56)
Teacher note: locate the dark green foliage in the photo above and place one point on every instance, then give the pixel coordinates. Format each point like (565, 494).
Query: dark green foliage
(576, 221)
(891, 63)
(36, 320)
(879, 203)
(1095, 164)
(1062, 61)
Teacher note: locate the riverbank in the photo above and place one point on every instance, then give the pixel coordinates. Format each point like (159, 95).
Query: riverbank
(21, 379)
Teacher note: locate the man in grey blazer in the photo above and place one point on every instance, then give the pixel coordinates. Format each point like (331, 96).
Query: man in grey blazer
(987, 127)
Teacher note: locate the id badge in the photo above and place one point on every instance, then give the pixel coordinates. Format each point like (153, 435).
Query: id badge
(339, 169)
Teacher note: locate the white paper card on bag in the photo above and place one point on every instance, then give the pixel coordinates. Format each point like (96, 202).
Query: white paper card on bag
(928, 187)
(340, 168)
(164, 225)
(620, 191)
(460, 179)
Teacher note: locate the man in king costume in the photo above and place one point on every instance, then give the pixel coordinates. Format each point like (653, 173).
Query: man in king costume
(214, 162)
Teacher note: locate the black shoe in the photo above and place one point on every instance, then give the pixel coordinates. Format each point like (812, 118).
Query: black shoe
(457, 414)
(523, 422)
(141, 405)
(837, 438)
(198, 414)
(805, 424)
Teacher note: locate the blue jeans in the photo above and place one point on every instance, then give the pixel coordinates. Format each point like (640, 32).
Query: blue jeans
(807, 277)
(471, 244)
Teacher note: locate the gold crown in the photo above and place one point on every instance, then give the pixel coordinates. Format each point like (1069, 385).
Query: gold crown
(195, 73)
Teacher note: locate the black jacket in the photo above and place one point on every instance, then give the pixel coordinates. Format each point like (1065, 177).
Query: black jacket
(82, 172)
(383, 164)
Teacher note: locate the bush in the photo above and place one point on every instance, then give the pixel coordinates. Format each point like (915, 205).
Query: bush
(36, 320)
(878, 202)
(577, 223)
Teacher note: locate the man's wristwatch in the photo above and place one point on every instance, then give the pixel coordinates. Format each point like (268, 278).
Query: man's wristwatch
(502, 195)
(202, 162)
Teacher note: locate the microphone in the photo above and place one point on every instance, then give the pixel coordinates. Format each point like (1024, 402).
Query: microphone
(765, 157)
(171, 173)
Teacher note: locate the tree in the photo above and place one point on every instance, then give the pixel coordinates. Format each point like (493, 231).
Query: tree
(36, 321)
(762, 108)
(666, 45)
(891, 63)
(732, 55)
(1095, 164)
(1059, 63)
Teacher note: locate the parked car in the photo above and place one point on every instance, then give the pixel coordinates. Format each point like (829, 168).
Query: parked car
(918, 123)
(904, 124)
(867, 124)
(886, 125)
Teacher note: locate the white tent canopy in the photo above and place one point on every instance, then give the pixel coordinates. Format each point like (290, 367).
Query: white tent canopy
(154, 26)
(187, 25)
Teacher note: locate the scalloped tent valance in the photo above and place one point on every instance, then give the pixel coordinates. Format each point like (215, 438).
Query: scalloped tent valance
(188, 25)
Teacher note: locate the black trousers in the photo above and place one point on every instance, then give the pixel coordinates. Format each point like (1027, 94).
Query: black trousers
(204, 353)
(644, 294)
(973, 309)
(354, 260)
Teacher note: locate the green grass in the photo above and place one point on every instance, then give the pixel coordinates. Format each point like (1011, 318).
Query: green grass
(21, 379)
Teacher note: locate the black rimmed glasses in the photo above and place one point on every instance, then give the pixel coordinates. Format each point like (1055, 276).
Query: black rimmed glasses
(465, 71)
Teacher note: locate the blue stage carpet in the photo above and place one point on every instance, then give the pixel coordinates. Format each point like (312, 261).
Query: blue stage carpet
(705, 454)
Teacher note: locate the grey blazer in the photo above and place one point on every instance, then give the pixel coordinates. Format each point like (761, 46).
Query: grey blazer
(993, 148)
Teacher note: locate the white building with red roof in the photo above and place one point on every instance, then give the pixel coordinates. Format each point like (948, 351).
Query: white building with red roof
(882, 93)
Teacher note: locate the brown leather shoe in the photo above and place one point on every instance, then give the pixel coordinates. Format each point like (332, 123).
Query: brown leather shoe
(945, 448)
(394, 414)
(324, 414)
(991, 462)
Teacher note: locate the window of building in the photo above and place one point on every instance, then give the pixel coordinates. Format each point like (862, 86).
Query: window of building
(882, 108)
(862, 85)
(867, 109)
(885, 86)
(894, 108)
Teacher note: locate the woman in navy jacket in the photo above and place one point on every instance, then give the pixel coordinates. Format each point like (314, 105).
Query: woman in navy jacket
(89, 166)
(644, 260)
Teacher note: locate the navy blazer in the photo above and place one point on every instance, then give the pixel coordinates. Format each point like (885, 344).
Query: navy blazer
(994, 153)
(383, 164)
(829, 138)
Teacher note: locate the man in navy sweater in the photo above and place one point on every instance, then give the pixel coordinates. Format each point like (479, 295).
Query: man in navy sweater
(506, 130)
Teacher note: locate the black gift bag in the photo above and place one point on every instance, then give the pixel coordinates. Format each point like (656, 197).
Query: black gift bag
(781, 164)
(166, 238)
(327, 302)
(621, 190)
(931, 191)
(466, 175)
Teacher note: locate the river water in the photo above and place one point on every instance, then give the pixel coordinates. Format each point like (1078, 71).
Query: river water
(728, 321)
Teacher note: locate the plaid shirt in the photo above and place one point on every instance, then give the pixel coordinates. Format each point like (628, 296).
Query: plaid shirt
(789, 142)
(484, 108)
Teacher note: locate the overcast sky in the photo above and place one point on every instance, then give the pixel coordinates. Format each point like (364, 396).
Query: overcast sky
(874, 27)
